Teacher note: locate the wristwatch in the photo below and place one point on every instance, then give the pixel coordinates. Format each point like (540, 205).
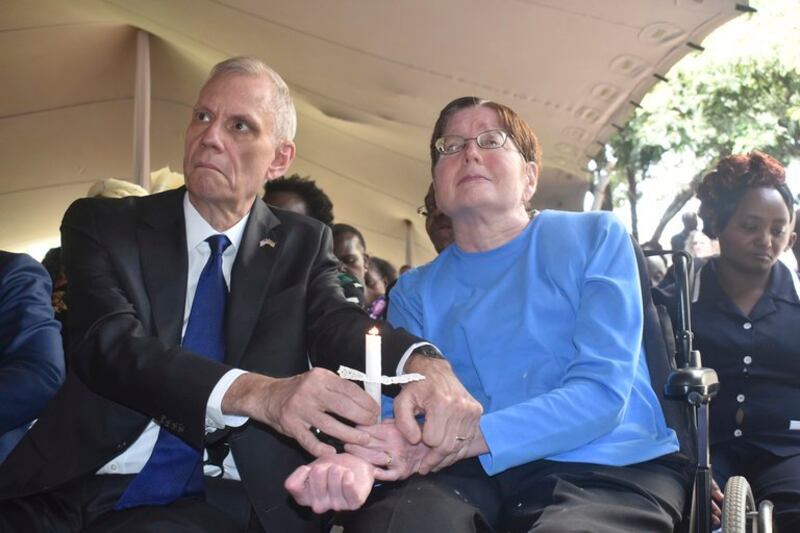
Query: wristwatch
(428, 350)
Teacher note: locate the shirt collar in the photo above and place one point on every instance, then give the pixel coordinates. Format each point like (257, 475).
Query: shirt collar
(783, 284)
(198, 229)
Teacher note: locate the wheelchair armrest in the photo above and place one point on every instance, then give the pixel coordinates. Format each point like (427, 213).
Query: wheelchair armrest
(694, 385)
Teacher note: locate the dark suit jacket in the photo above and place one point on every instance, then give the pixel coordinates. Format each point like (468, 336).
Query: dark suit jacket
(126, 262)
(31, 356)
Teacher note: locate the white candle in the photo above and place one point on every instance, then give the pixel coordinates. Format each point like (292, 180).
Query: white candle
(373, 366)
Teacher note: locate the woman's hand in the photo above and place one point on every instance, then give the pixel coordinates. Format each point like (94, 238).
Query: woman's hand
(389, 450)
(340, 482)
(452, 415)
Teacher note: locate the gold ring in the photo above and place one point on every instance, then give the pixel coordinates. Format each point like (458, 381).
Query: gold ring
(388, 461)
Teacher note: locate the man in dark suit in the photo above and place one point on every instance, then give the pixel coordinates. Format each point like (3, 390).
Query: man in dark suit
(31, 356)
(156, 376)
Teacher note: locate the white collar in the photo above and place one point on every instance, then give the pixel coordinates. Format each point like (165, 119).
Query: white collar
(198, 229)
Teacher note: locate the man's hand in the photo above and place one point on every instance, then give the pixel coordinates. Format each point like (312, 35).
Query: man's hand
(717, 499)
(340, 482)
(451, 414)
(389, 450)
(293, 405)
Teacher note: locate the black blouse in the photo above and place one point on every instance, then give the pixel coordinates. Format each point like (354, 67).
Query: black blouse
(757, 358)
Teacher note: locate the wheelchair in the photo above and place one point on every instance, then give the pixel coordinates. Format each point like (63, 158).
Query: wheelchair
(685, 397)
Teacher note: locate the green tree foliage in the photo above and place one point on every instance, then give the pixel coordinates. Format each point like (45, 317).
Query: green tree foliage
(749, 105)
(742, 93)
(728, 108)
(634, 155)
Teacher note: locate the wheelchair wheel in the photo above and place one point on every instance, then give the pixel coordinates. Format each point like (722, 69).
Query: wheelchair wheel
(739, 507)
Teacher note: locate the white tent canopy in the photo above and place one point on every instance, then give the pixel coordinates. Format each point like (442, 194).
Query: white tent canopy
(368, 77)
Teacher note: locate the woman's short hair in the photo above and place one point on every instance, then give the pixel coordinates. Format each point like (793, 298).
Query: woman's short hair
(512, 123)
(722, 189)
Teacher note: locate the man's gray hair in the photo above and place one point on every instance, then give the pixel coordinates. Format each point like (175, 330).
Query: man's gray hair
(282, 104)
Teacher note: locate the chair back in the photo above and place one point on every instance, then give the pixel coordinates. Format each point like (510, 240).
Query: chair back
(659, 345)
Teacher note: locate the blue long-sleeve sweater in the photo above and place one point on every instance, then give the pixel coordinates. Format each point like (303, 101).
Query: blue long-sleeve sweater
(546, 333)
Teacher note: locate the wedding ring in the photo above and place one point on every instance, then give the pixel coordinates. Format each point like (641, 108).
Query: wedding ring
(460, 439)
(388, 461)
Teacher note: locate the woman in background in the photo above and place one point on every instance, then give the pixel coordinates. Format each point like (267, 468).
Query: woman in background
(746, 318)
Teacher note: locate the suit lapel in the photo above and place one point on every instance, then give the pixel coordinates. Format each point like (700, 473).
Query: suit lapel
(255, 261)
(162, 240)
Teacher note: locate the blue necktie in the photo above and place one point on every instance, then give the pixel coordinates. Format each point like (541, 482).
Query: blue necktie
(175, 469)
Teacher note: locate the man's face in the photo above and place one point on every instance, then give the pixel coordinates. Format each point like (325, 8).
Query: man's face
(657, 269)
(437, 224)
(347, 248)
(230, 150)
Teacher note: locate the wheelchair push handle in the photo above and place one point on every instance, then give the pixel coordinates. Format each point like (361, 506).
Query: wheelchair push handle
(689, 382)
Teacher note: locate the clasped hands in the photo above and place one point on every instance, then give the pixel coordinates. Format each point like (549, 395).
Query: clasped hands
(342, 482)
(393, 450)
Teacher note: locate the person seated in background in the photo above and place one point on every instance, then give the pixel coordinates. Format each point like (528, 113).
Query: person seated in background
(656, 264)
(31, 354)
(700, 246)
(745, 312)
(53, 262)
(350, 249)
(438, 225)
(54, 265)
(379, 277)
(301, 195)
(689, 220)
(657, 269)
(542, 321)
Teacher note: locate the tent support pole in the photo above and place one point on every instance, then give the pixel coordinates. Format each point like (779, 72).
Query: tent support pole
(141, 112)
(409, 242)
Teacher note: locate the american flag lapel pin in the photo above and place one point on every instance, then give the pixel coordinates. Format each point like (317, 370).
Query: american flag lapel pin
(266, 242)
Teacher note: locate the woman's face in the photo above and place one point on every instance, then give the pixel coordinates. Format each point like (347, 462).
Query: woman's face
(482, 179)
(759, 230)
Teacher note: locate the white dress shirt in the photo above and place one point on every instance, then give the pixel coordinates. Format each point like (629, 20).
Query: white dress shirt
(132, 460)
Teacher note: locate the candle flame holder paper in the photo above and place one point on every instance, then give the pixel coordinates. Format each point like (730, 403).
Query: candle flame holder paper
(345, 372)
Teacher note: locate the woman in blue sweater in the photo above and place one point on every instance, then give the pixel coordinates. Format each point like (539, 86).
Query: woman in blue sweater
(541, 320)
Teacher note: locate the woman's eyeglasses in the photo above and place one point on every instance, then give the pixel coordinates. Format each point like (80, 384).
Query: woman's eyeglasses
(489, 140)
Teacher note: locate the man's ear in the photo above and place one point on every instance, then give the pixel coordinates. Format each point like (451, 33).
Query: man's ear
(284, 155)
(532, 173)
